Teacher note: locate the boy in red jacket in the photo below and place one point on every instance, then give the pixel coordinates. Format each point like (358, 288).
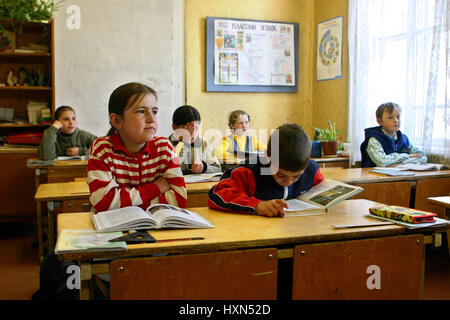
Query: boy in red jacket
(261, 188)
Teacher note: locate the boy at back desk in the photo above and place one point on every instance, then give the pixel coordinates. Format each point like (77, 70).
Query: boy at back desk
(261, 188)
(386, 145)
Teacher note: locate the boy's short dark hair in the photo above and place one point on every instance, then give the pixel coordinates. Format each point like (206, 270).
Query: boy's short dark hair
(185, 114)
(388, 106)
(294, 147)
(62, 109)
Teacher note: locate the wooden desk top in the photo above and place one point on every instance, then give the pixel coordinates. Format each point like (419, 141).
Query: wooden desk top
(331, 159)
(66, 164)
(362, 175)
(443, 201)
(235, 231)
(26, 149)
(80, 190)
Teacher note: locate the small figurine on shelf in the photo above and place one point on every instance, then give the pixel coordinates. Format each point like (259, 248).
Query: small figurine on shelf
(23, 77)
(11, 78)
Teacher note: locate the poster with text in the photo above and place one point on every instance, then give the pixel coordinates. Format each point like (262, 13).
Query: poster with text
(329, 49)
(253, 53)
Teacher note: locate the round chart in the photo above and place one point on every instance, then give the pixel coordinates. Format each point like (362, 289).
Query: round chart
(329, 49)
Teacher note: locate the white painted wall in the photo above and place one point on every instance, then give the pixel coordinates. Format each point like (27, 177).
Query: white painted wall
(119, 41)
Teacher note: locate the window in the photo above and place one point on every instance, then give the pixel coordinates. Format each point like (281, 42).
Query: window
(400, 56)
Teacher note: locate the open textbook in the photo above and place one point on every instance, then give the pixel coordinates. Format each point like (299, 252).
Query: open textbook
(202, 177)
(61, 158)
(321, 197)
(85, 240)
(155, 217)
(414, 167)
(248, 154)
(421, 167)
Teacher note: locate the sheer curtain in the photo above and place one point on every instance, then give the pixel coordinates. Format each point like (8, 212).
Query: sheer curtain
(399, 52)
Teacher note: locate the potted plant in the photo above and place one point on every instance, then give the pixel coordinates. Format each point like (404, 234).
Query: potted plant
(18, 12)
(328, 138)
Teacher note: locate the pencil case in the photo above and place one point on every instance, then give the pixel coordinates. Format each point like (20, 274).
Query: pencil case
(403, 214)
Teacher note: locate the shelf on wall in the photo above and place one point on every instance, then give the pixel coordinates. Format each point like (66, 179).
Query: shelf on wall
(25, 88)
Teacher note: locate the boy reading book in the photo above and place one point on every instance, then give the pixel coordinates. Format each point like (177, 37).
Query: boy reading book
(262, 188)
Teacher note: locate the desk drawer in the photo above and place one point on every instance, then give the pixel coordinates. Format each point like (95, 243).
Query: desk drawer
(431, 188)
(237, 275)
(77, 205)
(392, 193)
(383, 268)
(65, 174)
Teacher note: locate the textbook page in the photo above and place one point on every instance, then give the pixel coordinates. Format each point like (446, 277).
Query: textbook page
(420, 167)
(64, 158)
(168, 216)
(329, 192)
(120, 219)
(302, 208)
(204, 177)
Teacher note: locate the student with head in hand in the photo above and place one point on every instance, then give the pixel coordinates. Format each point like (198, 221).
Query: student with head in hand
(64, 138)
(132, 166)
(194, 152)
(262, 188)
(385, 145)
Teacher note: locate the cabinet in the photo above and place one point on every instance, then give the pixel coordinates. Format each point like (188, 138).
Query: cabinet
(18, 191)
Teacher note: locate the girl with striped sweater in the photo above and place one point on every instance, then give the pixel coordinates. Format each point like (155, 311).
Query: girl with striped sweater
(131, 166)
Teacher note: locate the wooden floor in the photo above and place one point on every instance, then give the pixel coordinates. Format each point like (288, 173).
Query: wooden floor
(19, 266)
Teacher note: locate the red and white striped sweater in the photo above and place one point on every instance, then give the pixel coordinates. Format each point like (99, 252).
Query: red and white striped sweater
(117, 179)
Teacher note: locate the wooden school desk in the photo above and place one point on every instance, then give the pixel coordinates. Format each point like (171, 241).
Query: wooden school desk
(64, 197)
(332, 162)
(61, 171)
(238, 259)
(409, 191)
(444, 202)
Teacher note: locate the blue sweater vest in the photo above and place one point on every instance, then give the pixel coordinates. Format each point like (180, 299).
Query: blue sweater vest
(389, 144)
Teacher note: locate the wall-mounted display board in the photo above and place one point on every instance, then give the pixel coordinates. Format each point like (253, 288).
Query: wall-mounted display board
(251, 55)
(329, 49)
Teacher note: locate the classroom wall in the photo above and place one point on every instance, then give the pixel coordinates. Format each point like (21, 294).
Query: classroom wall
(330, 97)
(118, 41)
(267, 110)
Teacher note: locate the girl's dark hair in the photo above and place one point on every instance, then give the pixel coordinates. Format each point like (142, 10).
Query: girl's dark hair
(62, 109)
(185, 114)
(294, 147)
(234, 115)
(126, 95)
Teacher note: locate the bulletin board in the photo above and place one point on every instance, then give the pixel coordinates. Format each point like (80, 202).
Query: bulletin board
(251, 55)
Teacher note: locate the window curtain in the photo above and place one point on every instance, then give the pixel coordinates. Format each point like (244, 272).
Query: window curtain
(399, 52)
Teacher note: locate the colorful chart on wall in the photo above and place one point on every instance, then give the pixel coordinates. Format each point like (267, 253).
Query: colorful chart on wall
(251, 55)
(329, 49)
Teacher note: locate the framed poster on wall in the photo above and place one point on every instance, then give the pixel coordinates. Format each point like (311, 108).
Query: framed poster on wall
(251, 55)
(329, 49)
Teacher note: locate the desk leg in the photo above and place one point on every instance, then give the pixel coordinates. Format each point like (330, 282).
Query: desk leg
(51, 225)
(86, 290)
(39, 230)
(447, 213)
(37, 178)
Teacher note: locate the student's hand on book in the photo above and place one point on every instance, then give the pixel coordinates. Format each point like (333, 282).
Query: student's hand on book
(197, 167)
(162, 184)
(73, 151)
(271, 208)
